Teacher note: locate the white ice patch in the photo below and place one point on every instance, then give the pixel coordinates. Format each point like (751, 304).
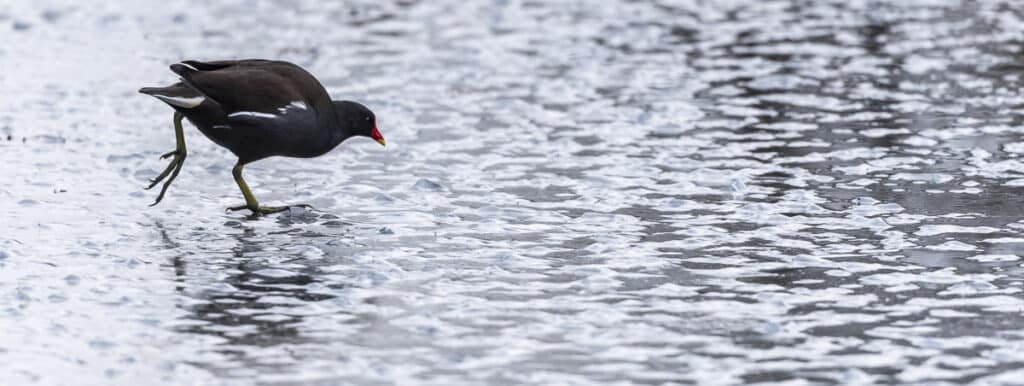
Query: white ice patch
(254, 114)
(184, 102)
(994, 258)
(932, 230)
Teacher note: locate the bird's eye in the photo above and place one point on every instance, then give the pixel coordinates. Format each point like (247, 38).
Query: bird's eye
(367, 118)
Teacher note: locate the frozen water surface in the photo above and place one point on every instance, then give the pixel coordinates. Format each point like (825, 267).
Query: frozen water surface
(661, 192)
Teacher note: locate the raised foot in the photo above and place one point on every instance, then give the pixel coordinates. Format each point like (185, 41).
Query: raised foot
(262, 210)
(171, 171)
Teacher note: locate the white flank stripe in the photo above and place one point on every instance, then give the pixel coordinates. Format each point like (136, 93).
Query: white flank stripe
(252, 114)
(298, 105)
(189, 66)
(186, 102)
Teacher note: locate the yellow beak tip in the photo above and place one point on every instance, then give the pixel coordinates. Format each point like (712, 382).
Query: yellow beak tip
(382, 143)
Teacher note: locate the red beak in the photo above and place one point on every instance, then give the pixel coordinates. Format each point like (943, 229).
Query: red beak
(375, 134)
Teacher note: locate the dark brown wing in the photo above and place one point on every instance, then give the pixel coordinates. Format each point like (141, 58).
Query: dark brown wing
(252, 85)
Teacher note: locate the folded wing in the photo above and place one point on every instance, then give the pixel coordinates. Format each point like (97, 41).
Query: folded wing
(257, 86)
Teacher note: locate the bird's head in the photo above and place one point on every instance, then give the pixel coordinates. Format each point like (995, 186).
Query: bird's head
(359, 120)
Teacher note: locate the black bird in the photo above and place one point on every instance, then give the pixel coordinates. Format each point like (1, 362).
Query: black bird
(257, 108)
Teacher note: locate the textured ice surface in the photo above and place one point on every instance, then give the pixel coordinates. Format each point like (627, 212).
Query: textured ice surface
(662, 192)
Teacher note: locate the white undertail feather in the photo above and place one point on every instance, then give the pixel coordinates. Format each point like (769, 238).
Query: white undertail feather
(180, 101)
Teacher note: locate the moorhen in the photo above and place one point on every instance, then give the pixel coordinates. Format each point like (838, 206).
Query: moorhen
(257, 108)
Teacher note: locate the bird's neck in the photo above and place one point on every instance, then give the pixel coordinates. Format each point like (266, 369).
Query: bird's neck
(329, 135)
(340, 133)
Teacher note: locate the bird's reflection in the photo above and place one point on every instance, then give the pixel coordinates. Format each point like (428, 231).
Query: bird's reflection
(244, 296)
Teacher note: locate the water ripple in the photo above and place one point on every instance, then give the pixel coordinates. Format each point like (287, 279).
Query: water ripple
(662, 192)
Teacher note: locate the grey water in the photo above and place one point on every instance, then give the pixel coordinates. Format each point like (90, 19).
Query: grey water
(573, 192)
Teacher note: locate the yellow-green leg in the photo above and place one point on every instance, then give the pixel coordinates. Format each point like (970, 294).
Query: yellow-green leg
(174, 168)
(250, 200)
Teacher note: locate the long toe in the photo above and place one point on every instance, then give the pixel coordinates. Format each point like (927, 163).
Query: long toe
(175, 164)
(262, 210)
(234, 208)
(271, 209)
(167, 171)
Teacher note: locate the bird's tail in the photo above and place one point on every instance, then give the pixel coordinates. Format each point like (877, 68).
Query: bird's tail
(176, 95)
